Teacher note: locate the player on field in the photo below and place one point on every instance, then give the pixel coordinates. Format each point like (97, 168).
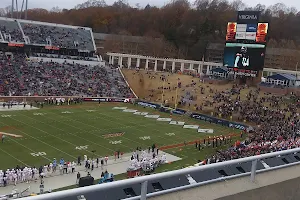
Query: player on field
(2, 137)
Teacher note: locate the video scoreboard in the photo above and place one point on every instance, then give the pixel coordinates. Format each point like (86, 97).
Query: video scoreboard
(244, 52)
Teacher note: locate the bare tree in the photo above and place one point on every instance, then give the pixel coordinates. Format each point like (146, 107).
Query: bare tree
(91, 3)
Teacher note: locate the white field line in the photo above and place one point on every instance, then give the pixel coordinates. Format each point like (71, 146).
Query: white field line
(39, 139)
(100, 130)
(134, 127)
(188, 133)
(116, 122)
(156, 130)
(48, 124)
(32, 151)
(13, 157)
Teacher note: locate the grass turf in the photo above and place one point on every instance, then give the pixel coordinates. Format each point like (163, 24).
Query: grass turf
(58, 130)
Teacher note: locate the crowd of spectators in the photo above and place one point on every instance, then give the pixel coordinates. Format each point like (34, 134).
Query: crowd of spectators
(21, 77)
(49, 35)
(276, 123)
(11, 28)
(62, 37)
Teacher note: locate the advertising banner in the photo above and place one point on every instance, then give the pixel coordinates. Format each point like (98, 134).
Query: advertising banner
(251, 28)
(231, 31)
(240, 36)
(250, 36)
(179, 111)
(149, 105)
(102, 99)
(15, 45)
(219, 121)
(262, 30)
(248, 17)
(241, 27)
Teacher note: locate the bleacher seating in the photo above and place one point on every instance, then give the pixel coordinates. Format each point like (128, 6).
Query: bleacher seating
(62, 37)
(11, 31)
(22, 78)
(46, 34)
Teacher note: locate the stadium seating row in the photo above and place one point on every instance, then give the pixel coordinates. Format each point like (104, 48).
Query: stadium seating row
(46, 34)
(21, 77)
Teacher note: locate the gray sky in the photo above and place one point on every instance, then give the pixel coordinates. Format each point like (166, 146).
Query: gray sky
(48, 4)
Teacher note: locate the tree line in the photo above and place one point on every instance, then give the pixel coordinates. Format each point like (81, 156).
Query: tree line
(185, 28)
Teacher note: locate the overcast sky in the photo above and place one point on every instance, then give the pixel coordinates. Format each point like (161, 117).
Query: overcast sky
(48, 4)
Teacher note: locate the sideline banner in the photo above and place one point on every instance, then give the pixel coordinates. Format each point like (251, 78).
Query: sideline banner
(103, 99)
(149, 105)
(162, 108)
(222, 122)
(203, 117)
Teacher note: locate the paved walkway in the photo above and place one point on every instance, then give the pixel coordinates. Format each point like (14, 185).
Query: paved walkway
(57, 181)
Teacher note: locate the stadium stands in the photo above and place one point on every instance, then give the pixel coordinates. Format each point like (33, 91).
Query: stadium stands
(46, 34)
(62, 37)
(24, 78)
(10, 31)
(66, 63)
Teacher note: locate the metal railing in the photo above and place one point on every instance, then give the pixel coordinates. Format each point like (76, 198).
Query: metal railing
(144, 180)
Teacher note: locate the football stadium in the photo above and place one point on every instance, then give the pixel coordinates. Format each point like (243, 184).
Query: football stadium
(83, 119)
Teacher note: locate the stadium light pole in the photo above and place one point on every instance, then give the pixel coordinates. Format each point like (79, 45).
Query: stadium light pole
(26, 7)
(12, 8)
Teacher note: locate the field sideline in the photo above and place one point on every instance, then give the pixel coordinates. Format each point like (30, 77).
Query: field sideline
(70, 131)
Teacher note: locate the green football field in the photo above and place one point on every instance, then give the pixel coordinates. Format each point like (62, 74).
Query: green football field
(69, 131)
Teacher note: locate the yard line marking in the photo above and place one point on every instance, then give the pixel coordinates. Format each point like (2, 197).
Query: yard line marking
(14, 157)
(41, 140)
(157, 131)
(188, 133)
(100, 129)
(24, 145)
(72, 134)
(107, 116)
(61, 134)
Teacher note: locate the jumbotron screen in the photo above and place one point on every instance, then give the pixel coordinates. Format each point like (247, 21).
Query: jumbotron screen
(244, 56)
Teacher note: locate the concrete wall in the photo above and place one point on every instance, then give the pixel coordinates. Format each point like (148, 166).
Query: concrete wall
(287, 190)
(59, 60)
(287, 187)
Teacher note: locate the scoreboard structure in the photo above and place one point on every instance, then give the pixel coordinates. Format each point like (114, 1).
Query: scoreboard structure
(245, 48)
